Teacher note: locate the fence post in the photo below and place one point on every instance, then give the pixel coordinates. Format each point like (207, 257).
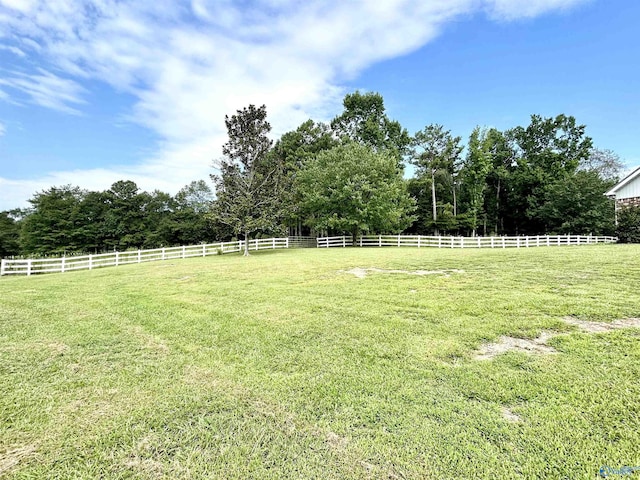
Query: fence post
(117, 258)
(3, 266)
(504, 243)
(537, 240)
(287, 243)
(478, 242)
(492, 239)
(274, 243)
(204, 250)
(344, 241)
(139, 256)
(90, 262)
(548, 241)
(183, 251)
(361, 240)
(419, 241)
(518, 242)
(451, 241)
(28, 267)
(62, 265)
(162, 253)
(379, 240)
(439, 241)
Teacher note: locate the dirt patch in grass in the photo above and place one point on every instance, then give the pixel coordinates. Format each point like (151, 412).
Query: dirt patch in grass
(509, 416)
(539, 344)
(11, 458)
(336, 441)
(149, 341)
(507, 344)
(602, 327)
(362, 272)
(55, 348)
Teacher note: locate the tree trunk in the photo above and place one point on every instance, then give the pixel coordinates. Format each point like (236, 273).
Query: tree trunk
(498, 208)
(433, 201)
(246, 244)
(455, 204)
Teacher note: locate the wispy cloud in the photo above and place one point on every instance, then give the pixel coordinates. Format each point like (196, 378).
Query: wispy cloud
(514, 9)
(14, 50)
(188, 64)
(46, 89)
(3, 129)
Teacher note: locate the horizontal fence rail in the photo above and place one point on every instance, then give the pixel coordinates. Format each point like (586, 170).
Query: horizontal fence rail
(327, 242)
(462, 242)
(89, 262)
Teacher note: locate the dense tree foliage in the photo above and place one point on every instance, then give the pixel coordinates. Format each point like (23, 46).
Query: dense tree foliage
(291, 151)
(436, 153)
(9, 235)
(364, 120)
(628, 228)
(352, 188)
(249, 186)
(346, 178)
(67, 220)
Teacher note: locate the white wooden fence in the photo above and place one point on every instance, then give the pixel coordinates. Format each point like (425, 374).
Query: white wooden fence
(462, 242)
(327, 242)
(84, 262)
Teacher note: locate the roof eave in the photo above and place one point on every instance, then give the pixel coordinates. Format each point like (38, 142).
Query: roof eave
(623, 182)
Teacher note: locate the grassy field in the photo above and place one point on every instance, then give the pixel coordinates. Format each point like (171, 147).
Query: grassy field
(282, 365)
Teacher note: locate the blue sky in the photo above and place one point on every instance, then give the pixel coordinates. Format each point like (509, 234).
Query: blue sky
(92, 92)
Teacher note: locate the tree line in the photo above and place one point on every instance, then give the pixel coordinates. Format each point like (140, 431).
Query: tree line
(343, 177)
(67, 219)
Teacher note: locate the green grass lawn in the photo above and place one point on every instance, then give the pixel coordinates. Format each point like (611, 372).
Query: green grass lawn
(281, 365)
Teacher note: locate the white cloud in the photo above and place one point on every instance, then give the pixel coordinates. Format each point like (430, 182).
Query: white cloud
(190, 63)
(514, 9)
(3, 129)
(46, 89)
(14, 50)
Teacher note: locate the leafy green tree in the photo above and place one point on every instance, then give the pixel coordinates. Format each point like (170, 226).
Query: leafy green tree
(365, 121)
(191, 221)
(288, 156)
(498, 189)
(628, 229)
(435, 152)
(90, 233)
(550, 149)
(576, 204)
(352, 189)
(51, 225)
(474, 173)
(9, 235)
(248, 188)
(124, 221)
(159, 225)
(197, 195)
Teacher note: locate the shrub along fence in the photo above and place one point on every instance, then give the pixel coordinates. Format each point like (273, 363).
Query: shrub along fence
(89, 262)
